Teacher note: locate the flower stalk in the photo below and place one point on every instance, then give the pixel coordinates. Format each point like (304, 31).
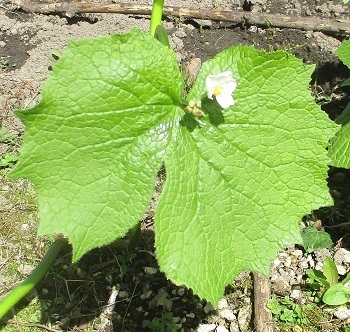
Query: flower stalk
(156, 16)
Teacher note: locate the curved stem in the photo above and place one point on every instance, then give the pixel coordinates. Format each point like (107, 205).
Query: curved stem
(156, 16)
(33, 279)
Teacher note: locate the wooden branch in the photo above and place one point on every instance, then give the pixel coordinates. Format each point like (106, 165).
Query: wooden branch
(263, 321)
(249, 18)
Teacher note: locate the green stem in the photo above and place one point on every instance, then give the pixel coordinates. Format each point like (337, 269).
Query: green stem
(33, 279)
(156, 16)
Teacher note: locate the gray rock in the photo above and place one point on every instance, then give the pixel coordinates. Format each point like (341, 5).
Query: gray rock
(206, 327)
(342, 313)
(341, 256)
(341, 269)
(244, 317)
(150, 270)
(234, 327)
(297, 253)
(222, 304)
(222, 329)
(321, 254)
(208, 308)
(227, 314)
(303, 263)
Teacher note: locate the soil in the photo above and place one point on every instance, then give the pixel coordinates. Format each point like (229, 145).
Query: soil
(72, 296)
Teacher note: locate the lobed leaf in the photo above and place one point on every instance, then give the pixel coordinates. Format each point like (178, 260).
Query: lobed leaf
(339, 150)
(94, 144)
(239, 181)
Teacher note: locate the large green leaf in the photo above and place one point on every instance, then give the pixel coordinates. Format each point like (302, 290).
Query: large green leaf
(339, 150)
(239, 181)
(94, 144)
(343, 52)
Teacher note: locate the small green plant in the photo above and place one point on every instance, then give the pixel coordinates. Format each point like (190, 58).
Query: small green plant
(9, 158)
(4, 64)
(163, 324)
(6, 136)
(313, 239)
(325, 278)
(326, 282)
(287, 311)
(124, 261)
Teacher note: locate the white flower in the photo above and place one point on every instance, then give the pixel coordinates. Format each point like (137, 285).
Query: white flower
(221, 86)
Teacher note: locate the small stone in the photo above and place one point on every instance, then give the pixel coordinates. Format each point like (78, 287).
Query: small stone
(191, 315)
(253, 29)
(299, 278)
(282, 256)
(206, 327)
(296, 294)
(303, 263)
(346, 256)
(25, 269)
(161, 300)
(123, 294)
(288, 262)
(193, 68)
(3, 201)
(321, 254)
(45, 291)
(341, 270)
(274, 277)
(297, 253)
(208, 308)
(181, 33)
(145, 295)
(281, 286)
(244, 316)
(222, 304)
(181, 291)
(222, 329)
(276, 263)
(227, 314)
(150, 270)
(25, 227)
(338, 257)
(234, 327)
(342, 313)
(342, 256)
(319, 266)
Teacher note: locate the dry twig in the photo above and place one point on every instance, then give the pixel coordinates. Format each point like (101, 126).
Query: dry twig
(263, 321)
(238, 17)
(37, 325)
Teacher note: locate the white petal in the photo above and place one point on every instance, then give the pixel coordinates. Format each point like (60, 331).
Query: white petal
(229, 86)
(210, 85)
(225, 100)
